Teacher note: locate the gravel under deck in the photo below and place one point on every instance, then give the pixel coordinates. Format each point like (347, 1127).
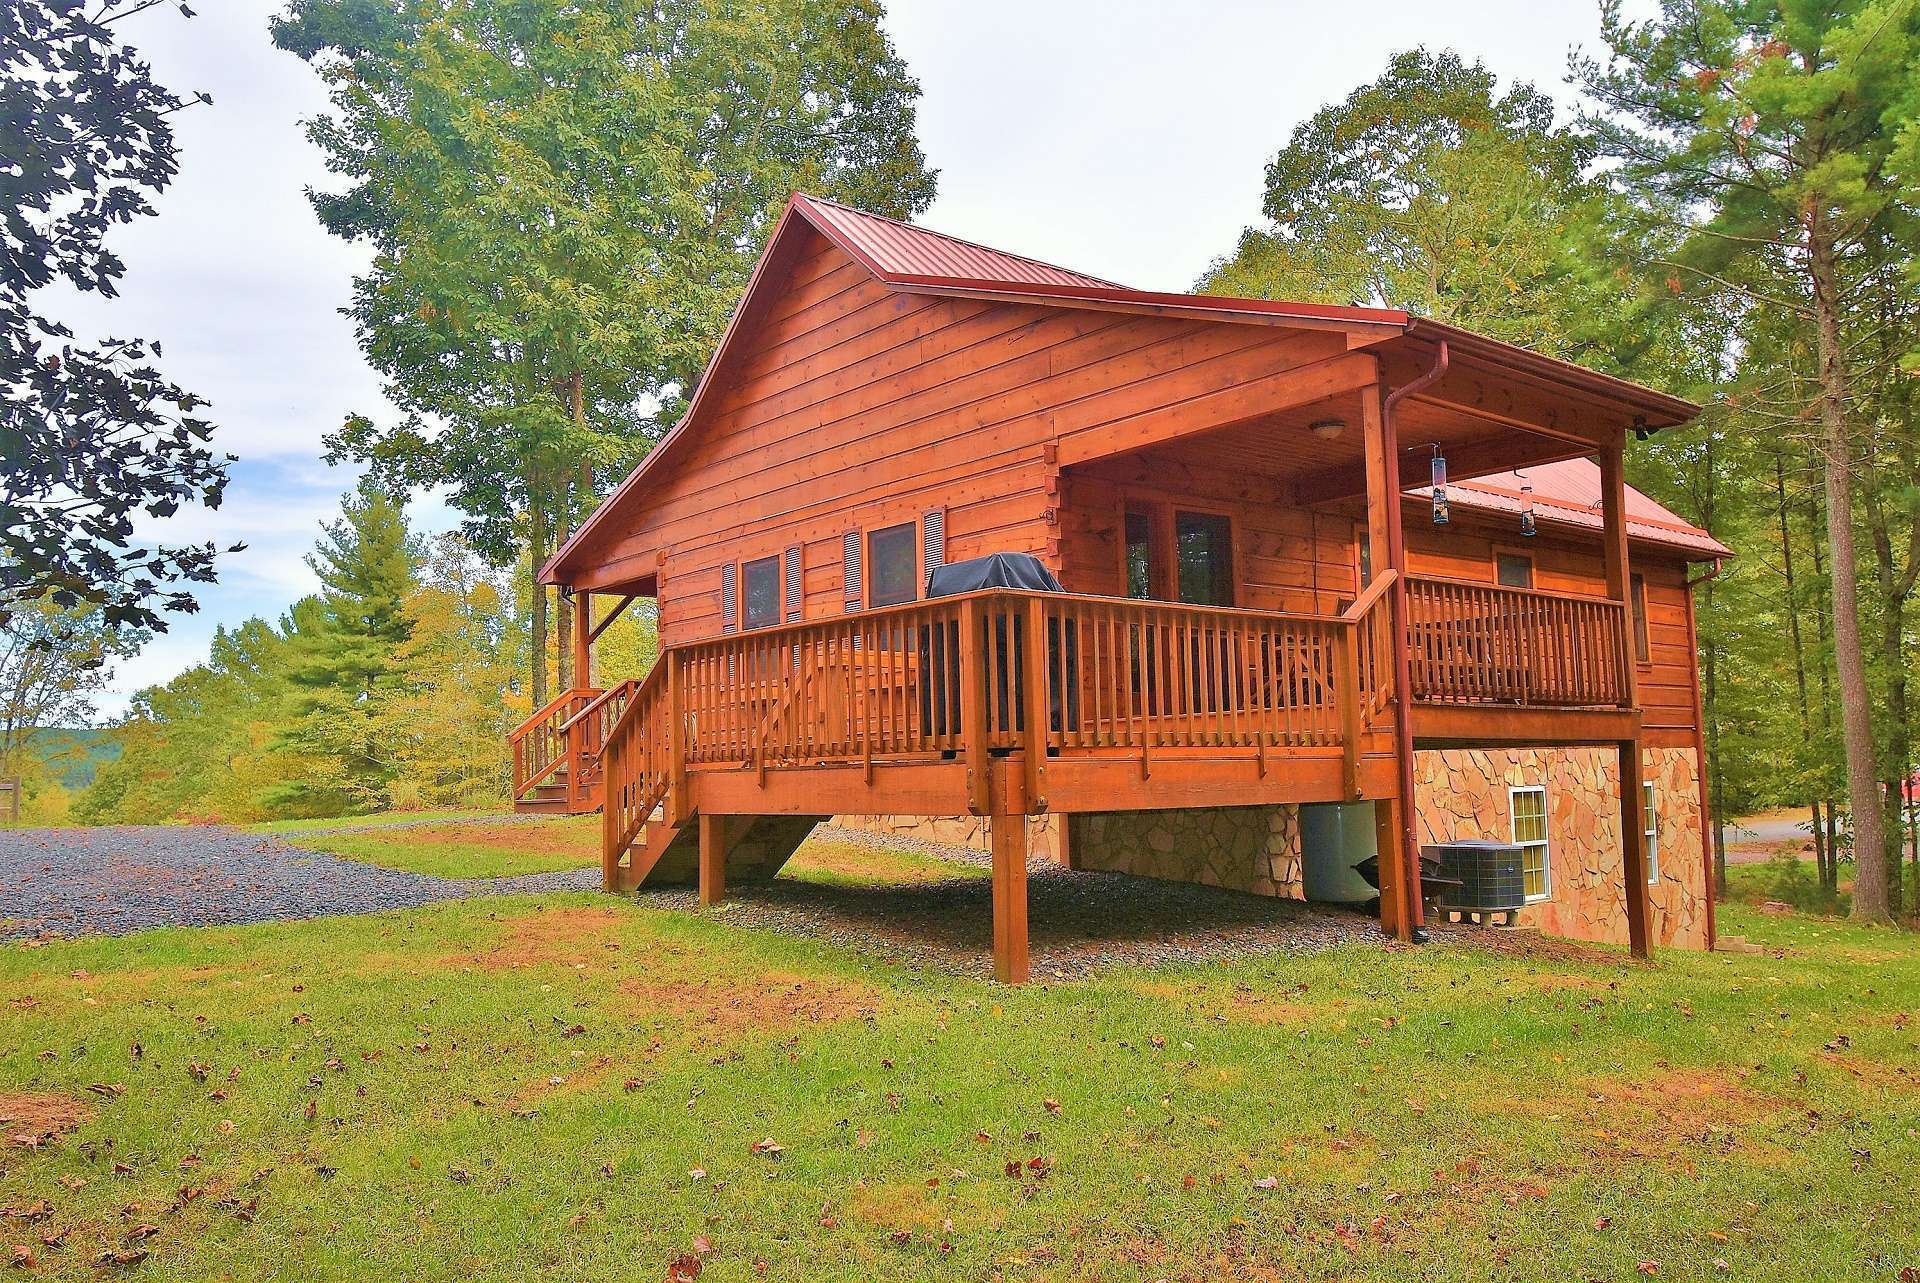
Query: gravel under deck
(68, 882)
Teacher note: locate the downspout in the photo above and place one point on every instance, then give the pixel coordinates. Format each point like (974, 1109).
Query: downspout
(1402, 664)
(1709, 829)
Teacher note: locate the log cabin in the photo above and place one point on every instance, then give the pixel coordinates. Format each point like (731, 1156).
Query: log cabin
(1313, 561)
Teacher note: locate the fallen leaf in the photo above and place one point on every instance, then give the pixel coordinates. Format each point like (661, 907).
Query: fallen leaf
(1267, 1182)
(769, 1146)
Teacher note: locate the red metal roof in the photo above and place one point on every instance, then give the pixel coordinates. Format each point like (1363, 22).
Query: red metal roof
(892, 248)
(1568, 494)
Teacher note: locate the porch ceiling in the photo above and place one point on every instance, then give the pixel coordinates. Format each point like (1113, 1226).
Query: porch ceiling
(1315, 469)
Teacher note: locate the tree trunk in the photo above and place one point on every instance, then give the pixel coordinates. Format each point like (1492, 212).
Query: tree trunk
(1799, 643)
(1849, 657)
(563, 640)
(1718, 788)
(537, 554)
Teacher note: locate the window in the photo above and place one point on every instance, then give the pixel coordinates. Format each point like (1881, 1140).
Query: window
(1528, 806)
(1204, 541)
(1139, 553)
(1366, 558)
(1651, 822)
(892, 563)
(1642, 643)
(760, 593)
(1513, 570)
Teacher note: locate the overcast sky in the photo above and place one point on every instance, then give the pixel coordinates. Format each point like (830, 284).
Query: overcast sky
(1123, 138)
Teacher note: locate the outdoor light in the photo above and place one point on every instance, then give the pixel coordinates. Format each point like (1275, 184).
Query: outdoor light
(1439, 486)
(1527, 528)
(1327, 429)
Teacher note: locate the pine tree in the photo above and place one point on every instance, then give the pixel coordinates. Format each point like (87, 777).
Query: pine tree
(368, 565)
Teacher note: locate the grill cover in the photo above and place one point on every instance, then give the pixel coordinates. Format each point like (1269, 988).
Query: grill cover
(995, 570)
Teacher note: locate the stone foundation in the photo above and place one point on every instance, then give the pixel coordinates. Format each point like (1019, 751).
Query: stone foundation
(1462, 795)
(957, 830)
(1241, 848)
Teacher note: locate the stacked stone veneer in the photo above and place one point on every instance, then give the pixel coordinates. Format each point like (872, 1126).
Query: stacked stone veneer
(1461, 794)
(1242, 848)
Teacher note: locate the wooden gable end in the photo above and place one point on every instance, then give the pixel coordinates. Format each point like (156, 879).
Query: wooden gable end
(846, 405)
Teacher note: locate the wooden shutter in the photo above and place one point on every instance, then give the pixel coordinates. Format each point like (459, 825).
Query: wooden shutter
(850, 569)
(933, 543)
(729, 598)
(791, 595)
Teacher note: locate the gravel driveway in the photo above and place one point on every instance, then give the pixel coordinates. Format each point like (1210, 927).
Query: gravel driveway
(69, 882)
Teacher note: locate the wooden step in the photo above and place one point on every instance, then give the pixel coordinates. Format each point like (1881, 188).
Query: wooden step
(758, 846)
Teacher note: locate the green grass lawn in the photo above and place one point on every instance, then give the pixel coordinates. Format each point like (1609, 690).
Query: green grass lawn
(379, 819)
(486, 847)
(575, 1087)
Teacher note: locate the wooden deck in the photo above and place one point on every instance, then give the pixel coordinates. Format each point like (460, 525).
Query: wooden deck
(1005, 703)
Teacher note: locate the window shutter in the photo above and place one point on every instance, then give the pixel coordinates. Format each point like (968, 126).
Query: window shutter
(850, 569)
(730, 598)
(933, 541)
(790, 587)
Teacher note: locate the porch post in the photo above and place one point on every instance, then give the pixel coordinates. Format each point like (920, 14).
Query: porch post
(1386, 537)
(1633, 848)
(1633, 838)
(1009, 898)
(582, 638)
(1613, 514)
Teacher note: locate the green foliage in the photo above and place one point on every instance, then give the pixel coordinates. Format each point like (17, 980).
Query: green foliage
(564, 202)
(91, 437)
(345, 666)
(1428, 190)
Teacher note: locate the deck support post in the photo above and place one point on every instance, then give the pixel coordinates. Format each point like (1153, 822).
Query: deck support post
(1009, 833)
(1633, 846)
(1387, 826)
(1613, 520)
(713, 858)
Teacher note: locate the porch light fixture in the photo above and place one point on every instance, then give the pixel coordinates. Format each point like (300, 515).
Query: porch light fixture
(1527, 529)
(1327, 429)
(1440, 515)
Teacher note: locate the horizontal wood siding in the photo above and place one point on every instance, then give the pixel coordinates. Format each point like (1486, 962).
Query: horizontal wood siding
(848, 405)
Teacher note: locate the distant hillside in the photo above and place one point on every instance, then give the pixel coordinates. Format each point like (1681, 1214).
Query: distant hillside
(72, 756)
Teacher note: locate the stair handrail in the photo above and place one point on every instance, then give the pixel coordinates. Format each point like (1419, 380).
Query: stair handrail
(616, 837)
(546, 710)
(599, 701)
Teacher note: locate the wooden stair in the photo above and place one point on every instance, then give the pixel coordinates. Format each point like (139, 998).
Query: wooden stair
(758, 847)
(549, 797)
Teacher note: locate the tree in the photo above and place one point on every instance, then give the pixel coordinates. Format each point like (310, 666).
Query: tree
(1429, 190)
(346, 665)
(445, 722)
(564, 202)
(89, 436)
(1765, 134)
(54, 660)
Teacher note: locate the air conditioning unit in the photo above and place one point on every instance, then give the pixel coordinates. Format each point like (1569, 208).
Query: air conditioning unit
(1488, 877)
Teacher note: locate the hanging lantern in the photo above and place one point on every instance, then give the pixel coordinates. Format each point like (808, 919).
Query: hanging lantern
(1440, 515)
(1527, 528)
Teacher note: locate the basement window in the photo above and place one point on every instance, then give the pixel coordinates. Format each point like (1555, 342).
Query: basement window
(1651, 822)
(1528, 807)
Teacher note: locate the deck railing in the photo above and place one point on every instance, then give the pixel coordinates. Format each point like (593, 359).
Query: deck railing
(1472, 643)
(540, 744)
(991, 672)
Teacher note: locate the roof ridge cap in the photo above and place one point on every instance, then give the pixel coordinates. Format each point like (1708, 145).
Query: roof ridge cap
(961, 240)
